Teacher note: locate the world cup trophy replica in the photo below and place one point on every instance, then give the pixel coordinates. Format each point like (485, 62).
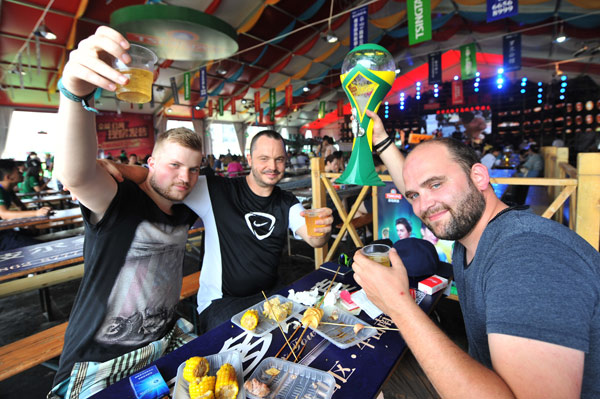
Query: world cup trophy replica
(368, 73)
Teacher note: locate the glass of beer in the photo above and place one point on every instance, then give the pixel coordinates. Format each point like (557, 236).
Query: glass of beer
(311, 216)
(377, 252)
(140, 72)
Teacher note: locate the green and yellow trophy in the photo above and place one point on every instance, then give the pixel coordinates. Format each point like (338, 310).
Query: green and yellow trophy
(367, 76)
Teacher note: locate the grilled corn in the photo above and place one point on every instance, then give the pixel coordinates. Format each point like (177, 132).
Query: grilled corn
(250, 319)
(202, 387)
(227, 385)
(195, 367)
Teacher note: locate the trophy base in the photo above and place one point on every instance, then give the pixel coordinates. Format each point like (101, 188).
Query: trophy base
(361, 170)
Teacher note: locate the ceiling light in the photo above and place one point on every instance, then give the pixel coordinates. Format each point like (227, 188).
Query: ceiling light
(197, 107)
(305, 89)
(44, 32)
(561, 38)
(331, 37)
(169, 110)
(221, 71)
(243, 101)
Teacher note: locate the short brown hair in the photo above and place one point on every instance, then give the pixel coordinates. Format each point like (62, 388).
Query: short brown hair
(180, 135)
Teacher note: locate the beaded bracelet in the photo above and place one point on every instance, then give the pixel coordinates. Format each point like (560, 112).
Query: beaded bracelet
(385, 142)
(85, 101)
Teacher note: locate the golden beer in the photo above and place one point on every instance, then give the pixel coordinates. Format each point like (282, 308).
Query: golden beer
(378, 253)
(139, 88)
(382, 259)
(311, 217)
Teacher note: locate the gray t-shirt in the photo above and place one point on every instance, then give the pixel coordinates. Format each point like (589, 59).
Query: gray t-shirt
(534, 278)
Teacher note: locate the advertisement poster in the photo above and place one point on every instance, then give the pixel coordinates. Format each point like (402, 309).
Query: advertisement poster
(397, 221)
(133, 133)
(359, 26)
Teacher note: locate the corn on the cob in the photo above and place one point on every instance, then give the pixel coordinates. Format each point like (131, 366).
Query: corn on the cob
(227, 385)
(202, 387)
(250, 319)
(195, 367)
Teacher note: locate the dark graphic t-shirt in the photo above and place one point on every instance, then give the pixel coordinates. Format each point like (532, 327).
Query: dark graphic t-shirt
(133, 271)
(6, 197)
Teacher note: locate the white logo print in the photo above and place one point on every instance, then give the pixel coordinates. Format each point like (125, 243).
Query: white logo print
(260, 224)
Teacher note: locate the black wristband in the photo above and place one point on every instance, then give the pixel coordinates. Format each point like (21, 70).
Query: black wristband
(382, 143)
(387, 144)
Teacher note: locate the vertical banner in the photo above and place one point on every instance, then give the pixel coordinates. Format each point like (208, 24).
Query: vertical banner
(257, 100)
(511, 50)
(272, 104)
(498, 9)
(468, 61)
(174, 90)
(340, 108)
(261, 117)
(233, 106)
(203, 91)
(186, 86)
(419, 21)
(358, 26)
(221, 106)
(435, 68)
(289, 93)
(321, 109)
(457, 92)
(210, 108)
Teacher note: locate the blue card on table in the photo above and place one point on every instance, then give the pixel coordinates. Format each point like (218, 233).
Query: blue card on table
(149, 384)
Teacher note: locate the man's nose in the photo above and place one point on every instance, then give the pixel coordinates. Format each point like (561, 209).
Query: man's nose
(184, 174)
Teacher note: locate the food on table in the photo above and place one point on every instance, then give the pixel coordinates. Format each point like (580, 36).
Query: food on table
(272, 371)
(277, 311)
(312, 317)
(195, 367)
(334, 315)
(250, 319)
(203, 388)
(257, 388)
(227, 385)
(358, 327)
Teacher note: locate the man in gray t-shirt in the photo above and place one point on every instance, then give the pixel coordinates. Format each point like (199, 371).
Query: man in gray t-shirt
(529, 288)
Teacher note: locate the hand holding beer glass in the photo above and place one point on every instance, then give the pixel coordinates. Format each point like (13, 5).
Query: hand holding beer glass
(379, 253)
(311, 216)
(140, 72)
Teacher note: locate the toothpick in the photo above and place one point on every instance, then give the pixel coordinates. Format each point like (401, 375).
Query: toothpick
(290, 338)
(278, 325)
(299, 340)
(364, 326)
(328, 288)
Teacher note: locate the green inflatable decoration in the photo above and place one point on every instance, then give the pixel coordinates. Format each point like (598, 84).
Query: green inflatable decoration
(368, 73)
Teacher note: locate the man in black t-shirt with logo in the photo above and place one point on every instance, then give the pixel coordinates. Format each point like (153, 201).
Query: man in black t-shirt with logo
(124, 316)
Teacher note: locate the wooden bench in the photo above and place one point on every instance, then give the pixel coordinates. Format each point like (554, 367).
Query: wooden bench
(45, 345)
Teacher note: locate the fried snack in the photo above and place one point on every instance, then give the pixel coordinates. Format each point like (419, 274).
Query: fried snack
(202, 387)
(227, 384)
(257, 388)
(277, 311)
(358, 327)
(195, 367)
(272, 371)
(250, 319)
(312, 317)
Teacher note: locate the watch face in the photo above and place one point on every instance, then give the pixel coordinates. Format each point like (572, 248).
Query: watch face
(569, 107)
(589, 119)
(589, 105)
(579, 106)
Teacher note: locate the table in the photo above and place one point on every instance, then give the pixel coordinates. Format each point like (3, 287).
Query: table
(65, 216)
(359, 371)
(305, 195)
(49, 200)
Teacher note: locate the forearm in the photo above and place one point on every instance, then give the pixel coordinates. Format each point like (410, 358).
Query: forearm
(7, 215)
(318, 241)
(394, 160)
(453, 373)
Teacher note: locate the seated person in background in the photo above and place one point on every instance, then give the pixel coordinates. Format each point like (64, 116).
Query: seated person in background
(9, 178)
(529, 287)
(133, 160)
(234, 167)
(534, 163)
(403, 228)
(334, 163)
(32, 179)
(490, 157)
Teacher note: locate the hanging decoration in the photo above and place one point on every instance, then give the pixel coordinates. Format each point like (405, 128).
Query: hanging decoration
(174, 90)
(210, 108)
(272, 104)
(232, 106)
(457, 92)
(221, 106)
(511, 51)
(257, 100)
(358, 27)
(38, 56)
(498, 9)
(419, 21)
(468, 61)
(20, 71)
(321, 109)
(186, 86)
(435, 67)
(203, 89)
(288, 95)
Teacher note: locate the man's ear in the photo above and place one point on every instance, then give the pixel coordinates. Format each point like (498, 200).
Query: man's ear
(249, 159)
(480, 176)
(151, 163)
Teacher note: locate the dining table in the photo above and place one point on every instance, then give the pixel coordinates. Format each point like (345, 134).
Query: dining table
(55, 217)
(358, 371)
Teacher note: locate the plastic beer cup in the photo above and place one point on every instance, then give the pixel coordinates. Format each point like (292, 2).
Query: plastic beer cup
(311, 216)
(140, 72)
(380, 253)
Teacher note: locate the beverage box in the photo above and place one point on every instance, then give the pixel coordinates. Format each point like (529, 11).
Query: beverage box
(432, 284)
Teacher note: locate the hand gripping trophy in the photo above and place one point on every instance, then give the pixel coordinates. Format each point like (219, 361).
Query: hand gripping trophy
(367, 76)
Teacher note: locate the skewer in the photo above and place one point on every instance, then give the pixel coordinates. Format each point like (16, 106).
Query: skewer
(279, 325)
(291, 336)
(328, 288)
(299, 340)
(364, 326)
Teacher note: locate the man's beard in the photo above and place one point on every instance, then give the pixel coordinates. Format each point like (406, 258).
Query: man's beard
(166, 193)
(258, 178)
(464, 216)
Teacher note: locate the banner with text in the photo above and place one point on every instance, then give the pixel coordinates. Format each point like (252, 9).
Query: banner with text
(233, 110)
(133, 133)
(468, 61)
(321, 109)
(289, 95)
(203, 91)
(457, 92)
(511, 51)
(221, 106)
(358, 26)
(435, 68)
(272, 104)
(419, 21)
(174, 90)
(498, 9)
(186, 86)
(257, 101)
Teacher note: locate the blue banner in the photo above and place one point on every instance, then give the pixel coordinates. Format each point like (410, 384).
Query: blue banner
(203, 90)
(358, 26)
(511, 50)
(435, 68)
(498, 9)
(175, 91)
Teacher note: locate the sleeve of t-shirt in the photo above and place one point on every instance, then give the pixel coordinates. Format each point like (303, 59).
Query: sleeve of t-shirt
(295, 220)
(199, 199)
(123, 198)
(540, 288)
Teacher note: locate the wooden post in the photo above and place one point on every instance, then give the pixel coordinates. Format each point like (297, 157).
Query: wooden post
(588, 198)
(317, 165)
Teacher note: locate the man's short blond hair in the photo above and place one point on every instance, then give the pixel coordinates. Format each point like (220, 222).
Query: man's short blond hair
(180, 135)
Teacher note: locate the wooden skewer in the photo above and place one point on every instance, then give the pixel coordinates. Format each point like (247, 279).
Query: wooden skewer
(278, 325)
(299, 340)
(290, 338)
(364, 326)
(328, 288)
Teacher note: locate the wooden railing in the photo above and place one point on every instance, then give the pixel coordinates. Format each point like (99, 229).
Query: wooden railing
(582, 185)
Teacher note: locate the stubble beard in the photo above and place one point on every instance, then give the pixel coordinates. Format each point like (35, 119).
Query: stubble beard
(261, 182)
(166, 192)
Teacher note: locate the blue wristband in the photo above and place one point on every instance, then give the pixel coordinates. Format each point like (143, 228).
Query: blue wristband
(85, 101)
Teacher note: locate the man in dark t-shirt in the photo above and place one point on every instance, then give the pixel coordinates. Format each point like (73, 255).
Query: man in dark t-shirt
(123, 317)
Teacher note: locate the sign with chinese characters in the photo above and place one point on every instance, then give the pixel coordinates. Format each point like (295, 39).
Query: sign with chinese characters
(174, 90)
(321, 109)
(419, 21)
(435, 68)
(457, 92)
(221, 106)
(133, 133)
(358, 26)
(203, 91)
(511, 51)
(498, 9)
(468, 61)
(186, 86)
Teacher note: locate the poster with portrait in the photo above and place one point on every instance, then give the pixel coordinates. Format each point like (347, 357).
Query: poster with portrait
(396, 221)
